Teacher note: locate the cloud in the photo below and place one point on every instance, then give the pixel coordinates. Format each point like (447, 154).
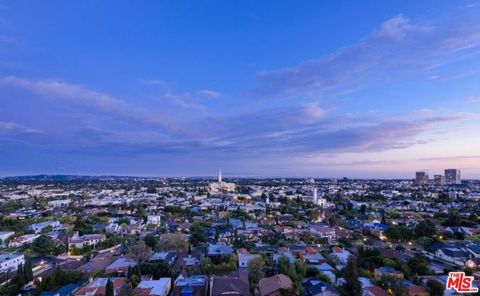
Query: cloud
(90, 99)
(155, 82)
(312, 112)
(398, 27)
(205, 93)
(472, 99)
(12, 127)
(281, 131)
(184, 101)
(399, 45)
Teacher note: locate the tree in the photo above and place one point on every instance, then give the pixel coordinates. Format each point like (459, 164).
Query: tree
(109, 290)
(256, 270)
(151, 240)
(283, 264)
(436, 288)
(20, 279)
(473, 218)
(425, 228)
(398, 233)
(332, 221)
(28, 271)
(207, 267)
(363, 209)
(418, 265)
(43, 245)
(197, 235)
(453, 219)
(352, 286)
(140, 252)
(173, 242)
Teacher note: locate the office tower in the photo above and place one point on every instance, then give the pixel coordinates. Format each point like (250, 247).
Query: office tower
(315, 195)
(439, 180)
(421, 178)
(452, 177)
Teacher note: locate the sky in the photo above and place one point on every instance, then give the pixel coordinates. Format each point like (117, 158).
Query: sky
(362, 89)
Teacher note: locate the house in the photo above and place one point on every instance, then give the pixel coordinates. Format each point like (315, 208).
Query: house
(273, 286)
(341, 255)
(388, 271)
(219, 250)
(235, 283)
(11, 261)
(414, 290)
(5, 235)
(67, 290)
(120, 266)
(236, 223)
(244, 257)
(376, 228)
(453, 254)
(327, 270)
(465, 231)
(473, 263)
(98, 287)
(323, 231)
(22, 240)
(99, 262)
(113, 227)
(315, 287)
(188, 260)
(195, 285)
(59, 203)
(375, 291)
(312, 256)
(167, 257)
(154, 220)
(39, 227)
(474, 249)
(159, 287)
(90, 240)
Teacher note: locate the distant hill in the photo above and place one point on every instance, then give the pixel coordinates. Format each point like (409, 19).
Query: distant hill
(66, 178)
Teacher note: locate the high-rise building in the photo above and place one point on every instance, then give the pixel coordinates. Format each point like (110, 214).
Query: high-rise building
(421, 178)
(439, 180)
(452, 177)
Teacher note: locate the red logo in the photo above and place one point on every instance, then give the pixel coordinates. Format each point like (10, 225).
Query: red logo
(460, 282)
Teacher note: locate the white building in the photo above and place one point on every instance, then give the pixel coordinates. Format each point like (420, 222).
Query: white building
(38, 227)
(153, 219)
(22, 240)
(159, 287)
(85, 240)
(59, 203)
(244, 258)
(221, 186)
(11, 261)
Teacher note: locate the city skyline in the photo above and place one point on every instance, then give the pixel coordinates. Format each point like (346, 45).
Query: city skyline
(369, 90)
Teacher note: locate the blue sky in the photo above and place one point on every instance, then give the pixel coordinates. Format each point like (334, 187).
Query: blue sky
(257, 88)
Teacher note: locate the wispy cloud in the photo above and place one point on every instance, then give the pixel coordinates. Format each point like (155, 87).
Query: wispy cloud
(12, 127)
(206, 93)
(80, 95)
(398, 45)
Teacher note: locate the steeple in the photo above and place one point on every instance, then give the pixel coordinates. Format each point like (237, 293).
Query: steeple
(219, 176)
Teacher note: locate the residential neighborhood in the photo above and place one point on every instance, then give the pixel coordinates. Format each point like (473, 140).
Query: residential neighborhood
(172, 236)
